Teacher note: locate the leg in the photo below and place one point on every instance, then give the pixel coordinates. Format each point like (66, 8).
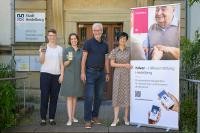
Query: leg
(116, 113)
(74, 102)
(116, 119)
(126, 114)
(99, 87)
(69, 108)
(54, 92)
(44, 96)
(89, 94)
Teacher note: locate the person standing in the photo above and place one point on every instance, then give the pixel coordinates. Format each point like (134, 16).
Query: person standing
(72, 86)
(94, 61)
(163, 41)
(120, 60)
(51, 76)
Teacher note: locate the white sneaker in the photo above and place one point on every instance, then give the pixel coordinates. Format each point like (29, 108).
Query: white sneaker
(75, 120)
(69, 123)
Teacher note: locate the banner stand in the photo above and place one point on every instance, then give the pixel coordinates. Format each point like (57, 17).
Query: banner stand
(138, 125)
(154, 78)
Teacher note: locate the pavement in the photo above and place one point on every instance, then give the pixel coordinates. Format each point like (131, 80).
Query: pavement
(31, 123)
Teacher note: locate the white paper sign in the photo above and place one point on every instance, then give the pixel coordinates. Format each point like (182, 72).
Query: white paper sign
(29, 27)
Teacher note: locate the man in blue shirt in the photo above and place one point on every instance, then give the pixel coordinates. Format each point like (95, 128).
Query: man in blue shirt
(94, 61)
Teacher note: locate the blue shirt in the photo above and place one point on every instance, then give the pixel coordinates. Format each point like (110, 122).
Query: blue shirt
(96, 53)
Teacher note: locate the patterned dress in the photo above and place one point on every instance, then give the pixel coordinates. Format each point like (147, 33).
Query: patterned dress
(121, 78)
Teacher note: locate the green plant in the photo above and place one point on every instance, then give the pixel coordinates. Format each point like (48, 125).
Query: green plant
(190, 57)
(190, 69)
(7, 98)
(188, 116)
(191, 2)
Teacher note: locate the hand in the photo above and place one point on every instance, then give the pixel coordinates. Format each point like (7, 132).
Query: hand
(165, 49)
(83, 77)
(176, 103)
(152, 121)
(128, 66)
(107, 77)
(42, 50)
(157, 54)
(60, 80)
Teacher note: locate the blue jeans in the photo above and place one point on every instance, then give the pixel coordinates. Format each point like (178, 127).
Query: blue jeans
(95, 84)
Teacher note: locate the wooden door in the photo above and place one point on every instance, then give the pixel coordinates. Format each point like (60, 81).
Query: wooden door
(110, 31)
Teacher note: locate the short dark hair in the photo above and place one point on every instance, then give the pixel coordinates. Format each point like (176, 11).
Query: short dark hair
(122, 34)
(69, 38)
(52, 30)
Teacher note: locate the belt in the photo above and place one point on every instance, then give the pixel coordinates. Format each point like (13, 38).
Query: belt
(96, 68)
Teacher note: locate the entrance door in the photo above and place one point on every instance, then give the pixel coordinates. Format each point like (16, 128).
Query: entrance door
(110, 31)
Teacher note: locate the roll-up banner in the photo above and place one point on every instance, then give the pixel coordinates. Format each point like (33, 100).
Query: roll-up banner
(155, 53)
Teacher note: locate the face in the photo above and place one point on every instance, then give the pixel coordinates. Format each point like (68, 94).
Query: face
(73, 40)
(97, 32)
(122, 40)
(51, 37)
(164, 14)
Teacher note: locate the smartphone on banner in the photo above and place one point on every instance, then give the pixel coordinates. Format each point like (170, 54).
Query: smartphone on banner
(166, 99)
(154, 113)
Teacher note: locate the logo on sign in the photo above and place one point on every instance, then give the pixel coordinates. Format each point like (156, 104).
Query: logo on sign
(20, 17)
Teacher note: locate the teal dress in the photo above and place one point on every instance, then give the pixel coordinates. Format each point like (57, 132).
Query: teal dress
(72, 84)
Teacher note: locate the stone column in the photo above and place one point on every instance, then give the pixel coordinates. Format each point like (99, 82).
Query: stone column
(55, 17)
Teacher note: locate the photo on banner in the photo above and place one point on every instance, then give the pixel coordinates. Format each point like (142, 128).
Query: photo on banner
(155, 53)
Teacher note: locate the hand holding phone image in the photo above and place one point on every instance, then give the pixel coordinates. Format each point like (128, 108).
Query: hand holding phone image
(154, 115)
(169, 101)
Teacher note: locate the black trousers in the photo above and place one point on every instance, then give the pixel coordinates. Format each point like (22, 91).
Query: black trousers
(50, 88)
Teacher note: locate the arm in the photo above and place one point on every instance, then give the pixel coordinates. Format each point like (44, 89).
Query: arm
(66, 63)
(174, 52)
(114, 64)
(171, 51)
(107, 67)
(107, 64)
(61, 71)
(83, 63)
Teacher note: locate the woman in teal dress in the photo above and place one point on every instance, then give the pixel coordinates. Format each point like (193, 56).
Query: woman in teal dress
(72, 86)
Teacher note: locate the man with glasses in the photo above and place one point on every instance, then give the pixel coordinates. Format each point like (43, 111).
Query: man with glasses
(163, 36)
(94, 72)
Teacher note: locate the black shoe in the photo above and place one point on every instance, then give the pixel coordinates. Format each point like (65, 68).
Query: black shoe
(52, 122)
(43, 123)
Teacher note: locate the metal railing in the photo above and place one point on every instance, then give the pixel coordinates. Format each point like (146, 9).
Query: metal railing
(191, 88)
(24, 86)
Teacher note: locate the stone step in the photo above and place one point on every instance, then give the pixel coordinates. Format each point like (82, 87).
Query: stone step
(79, 128)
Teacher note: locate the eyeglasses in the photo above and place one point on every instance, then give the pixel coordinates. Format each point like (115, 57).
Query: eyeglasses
(51, 35)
